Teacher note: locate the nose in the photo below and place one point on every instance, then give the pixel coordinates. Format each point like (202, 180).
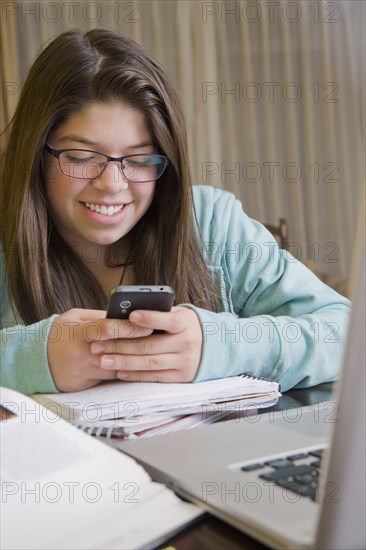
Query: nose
(112, 179)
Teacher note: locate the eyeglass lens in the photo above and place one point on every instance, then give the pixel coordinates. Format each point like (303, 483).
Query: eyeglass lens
(89, 165)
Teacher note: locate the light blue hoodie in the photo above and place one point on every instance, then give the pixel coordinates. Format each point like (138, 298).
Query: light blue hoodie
(278, 319)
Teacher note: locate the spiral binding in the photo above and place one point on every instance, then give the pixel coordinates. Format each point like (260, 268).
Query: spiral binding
(251, 377)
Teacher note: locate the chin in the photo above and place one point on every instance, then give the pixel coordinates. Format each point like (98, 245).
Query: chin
(106, 241)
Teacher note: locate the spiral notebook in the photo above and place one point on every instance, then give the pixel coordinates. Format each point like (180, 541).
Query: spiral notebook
(134, 401)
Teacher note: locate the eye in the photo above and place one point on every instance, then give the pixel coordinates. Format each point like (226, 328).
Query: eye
(143, 160)
(80, 157)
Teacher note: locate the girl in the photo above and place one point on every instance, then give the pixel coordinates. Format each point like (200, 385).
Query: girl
(96, 192)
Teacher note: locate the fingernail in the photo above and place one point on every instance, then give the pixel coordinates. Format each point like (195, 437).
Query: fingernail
(135, 317)
(122, 375)
(97, 348)
(144, 331)
(107, 362)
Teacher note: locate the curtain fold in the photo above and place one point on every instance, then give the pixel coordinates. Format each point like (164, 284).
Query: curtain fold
(9, 65)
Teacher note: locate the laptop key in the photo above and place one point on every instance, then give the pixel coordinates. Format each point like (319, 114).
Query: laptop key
(307, 479)
(279, 463)
(318, 453)
(297, 487)
(289, 473)
(250, 467)
(298, 456)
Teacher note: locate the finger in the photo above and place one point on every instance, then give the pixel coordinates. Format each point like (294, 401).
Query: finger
(98, 374)
(110, 329)
(87, 314)
(169, 321)
(166, 361)
(141, 346)
(167, 376)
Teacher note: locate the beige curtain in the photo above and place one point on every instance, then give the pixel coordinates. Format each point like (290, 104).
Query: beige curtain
(9, 63)
(272, 93)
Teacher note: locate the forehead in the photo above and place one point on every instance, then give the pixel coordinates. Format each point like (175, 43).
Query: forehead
(112, 124)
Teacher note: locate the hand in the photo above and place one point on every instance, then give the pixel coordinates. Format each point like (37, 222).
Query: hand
(170, 357)
(72, 365)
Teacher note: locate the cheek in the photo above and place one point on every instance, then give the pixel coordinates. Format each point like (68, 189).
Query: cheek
(52, 179)
(52, 174)
(145, 196)
(57, 186)
(55, 192)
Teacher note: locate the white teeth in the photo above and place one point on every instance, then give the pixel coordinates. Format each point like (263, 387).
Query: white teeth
(104, 210)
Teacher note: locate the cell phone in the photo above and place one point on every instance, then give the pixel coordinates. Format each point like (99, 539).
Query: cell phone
(125, 299)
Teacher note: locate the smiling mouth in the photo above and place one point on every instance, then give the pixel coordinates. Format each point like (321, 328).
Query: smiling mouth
(103, 209)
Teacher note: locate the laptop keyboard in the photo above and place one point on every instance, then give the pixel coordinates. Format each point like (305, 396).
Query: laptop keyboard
(297, 472)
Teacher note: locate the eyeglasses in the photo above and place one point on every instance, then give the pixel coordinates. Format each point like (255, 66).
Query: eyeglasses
(85, 164)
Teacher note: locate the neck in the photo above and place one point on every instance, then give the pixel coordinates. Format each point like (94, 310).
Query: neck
(96, 256)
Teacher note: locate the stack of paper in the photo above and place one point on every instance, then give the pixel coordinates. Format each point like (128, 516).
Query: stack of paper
(137, 408)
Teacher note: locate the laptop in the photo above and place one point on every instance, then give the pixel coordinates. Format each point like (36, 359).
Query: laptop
(290, 479)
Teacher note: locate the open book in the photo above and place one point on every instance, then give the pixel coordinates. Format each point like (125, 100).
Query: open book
(134, 401)
(61, 488)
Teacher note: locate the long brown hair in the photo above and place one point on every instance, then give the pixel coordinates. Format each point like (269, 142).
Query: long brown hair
(45, 275)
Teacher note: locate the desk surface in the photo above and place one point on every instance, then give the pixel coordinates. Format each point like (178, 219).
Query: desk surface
(211, 533)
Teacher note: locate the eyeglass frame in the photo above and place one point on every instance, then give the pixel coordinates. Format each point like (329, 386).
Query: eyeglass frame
(57, 152)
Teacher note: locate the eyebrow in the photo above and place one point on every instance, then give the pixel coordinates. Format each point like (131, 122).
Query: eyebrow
(85, 141)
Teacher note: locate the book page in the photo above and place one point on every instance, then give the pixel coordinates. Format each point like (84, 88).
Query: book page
(50, 445)
(40, 461)
(69, 490)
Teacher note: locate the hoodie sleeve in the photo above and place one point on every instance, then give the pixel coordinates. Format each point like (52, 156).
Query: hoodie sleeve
(277, 319)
